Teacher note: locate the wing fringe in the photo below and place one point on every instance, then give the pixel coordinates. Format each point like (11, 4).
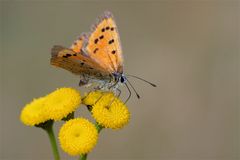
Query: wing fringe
(56, 49)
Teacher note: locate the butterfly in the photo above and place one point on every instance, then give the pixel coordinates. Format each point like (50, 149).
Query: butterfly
(95, 56)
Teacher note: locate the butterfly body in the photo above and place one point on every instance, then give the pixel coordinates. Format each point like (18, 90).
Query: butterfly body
(96, 56)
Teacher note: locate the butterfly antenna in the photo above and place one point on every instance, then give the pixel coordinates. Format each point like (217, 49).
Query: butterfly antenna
(130, 93)
(133, 89)
(154, 85)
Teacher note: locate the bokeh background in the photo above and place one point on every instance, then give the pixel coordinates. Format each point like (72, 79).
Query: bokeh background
(190, 49)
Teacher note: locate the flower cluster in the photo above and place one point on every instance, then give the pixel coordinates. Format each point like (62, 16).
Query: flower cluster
(77, 136)
(109, 111)
(54, 106)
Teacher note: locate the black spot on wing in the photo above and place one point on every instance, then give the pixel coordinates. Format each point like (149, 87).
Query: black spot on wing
(111, 41)
(113, 52)
(95, 50)
(96, 41)
(67, 55)
(101, 37)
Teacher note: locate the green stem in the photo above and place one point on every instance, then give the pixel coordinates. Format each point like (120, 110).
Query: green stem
(83, 157)
(48, 127)
(98, 127)
(53, 143)
(69, 117)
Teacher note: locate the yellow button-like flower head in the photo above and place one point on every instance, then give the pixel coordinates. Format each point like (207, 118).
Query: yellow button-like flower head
(34, 112)
(54, 106)
(110, 112)
(62, 102)
(78, 136)
(92, 97)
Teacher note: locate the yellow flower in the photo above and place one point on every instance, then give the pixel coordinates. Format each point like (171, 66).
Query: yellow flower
(92, 97)
(34, 112)
(55, 106)
(78, 136)
(62, 102)
(110, 112)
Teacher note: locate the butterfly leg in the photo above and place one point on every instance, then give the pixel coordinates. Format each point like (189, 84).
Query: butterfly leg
(83, 81)
(117, 96)
(119, 92)
(100, 97)
(89, 106)
(101, 86)
(112, 86)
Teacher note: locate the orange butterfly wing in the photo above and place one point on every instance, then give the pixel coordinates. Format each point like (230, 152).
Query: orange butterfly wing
(76, 63)
(103, 44)
(77, 45)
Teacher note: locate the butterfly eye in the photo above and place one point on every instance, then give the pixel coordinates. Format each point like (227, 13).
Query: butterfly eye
(123, 79)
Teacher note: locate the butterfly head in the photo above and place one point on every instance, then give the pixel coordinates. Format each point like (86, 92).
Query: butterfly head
(119, 77)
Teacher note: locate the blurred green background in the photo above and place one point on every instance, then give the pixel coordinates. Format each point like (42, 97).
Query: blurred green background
(190, 49)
